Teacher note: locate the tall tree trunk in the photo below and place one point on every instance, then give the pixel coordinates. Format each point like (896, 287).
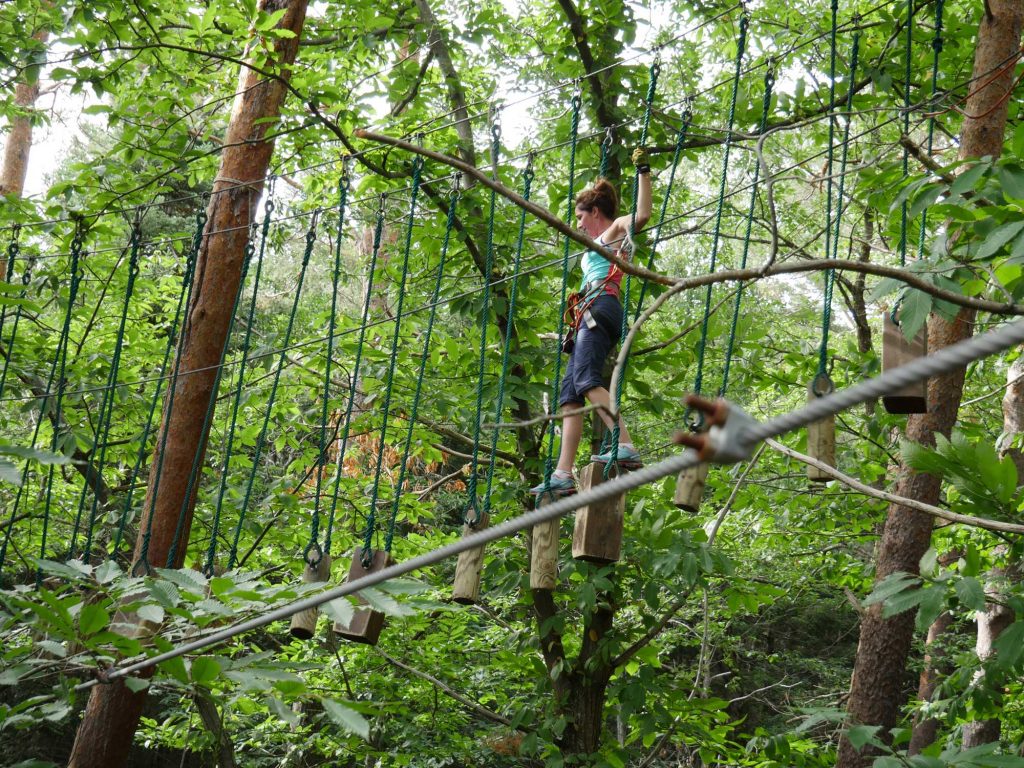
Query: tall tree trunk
(877, 687)
(998, 615)
(19, 141)
(112, 714)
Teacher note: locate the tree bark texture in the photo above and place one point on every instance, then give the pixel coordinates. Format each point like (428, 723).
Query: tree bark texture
(112, 713)
(877, 690)
(19, 142)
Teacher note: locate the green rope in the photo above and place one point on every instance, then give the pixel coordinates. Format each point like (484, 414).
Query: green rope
(702, 345)
(606, 145)
(473, 514)
(268, 211)
(107, 404)
(184, 297)
(204, 431)
(26, 277)
(652, 85)
(769, 81)
(13, 248)
(77, 273)
(314, 527)
(509, 321)
(570, 216)
(286, 342)
(142, 564)
(389, 378)
(354, 381)
(676, 154)
(937, 48)
(902, 248)
(403, 466)
(830, 277)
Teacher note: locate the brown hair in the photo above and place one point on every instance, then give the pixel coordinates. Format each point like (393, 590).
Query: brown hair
(601, 195)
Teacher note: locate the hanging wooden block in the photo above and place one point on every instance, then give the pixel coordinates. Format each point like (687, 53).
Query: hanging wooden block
(690, 487)
(544, 552)
(821, 435)
(597, 536)
(897, 351)
(366, 623)
(466, 586)
(303, 625)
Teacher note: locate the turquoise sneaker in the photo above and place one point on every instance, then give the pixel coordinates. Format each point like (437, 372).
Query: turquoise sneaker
(560, 486)
(627, 457)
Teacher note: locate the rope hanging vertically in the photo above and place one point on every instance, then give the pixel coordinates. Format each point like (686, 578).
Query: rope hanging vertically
(142, 564)
(107, 403)
(194, 470)
(741, 44)
(766, 103)
(509, 330)
(937, 51)
(549, 460)
(414, 411)
(473, 513)
(262, 437)
(13, 249)
(908, 48)
(184, 297)
(313, 553)
(378, 231)
(613, 434)
(389, 379)
(77, 273)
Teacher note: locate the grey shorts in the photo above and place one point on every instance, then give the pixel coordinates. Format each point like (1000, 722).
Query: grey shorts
(586, 361)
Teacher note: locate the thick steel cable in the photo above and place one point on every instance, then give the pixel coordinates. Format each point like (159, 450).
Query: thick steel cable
(944, 361)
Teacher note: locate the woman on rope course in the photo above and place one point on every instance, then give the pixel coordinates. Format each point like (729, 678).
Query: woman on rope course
(594, 320)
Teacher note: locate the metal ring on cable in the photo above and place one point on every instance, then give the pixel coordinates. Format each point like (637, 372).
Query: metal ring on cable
(822, 385)
(694, 419)
(311, 547)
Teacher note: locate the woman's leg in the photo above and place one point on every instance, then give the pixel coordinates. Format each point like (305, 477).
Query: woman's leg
(600, 396)
(572, 431)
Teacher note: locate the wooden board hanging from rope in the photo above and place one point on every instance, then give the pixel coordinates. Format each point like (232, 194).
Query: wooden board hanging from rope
(597, 535)
(690, 487)
(821, 435)
(897, 351)
(366, 624)
(544, 549)
(466, 584)
(303, 624)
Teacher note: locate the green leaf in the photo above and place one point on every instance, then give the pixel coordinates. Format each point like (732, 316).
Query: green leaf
(914, 311)
(859, 735)
(10, 473)
(92, 619)
(966, 180)
(205, 670)
(136, 684)
(34, 454)
(971, 593)
(339, 610)
(152, 613)
(349, 720)
(997, 238)
(1011, 177)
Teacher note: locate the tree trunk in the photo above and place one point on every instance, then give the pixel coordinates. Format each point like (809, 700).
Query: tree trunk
(19, 142)
(877, 689)
(112, 714)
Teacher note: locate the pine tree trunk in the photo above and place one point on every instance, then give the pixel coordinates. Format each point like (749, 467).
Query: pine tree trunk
(112, 713)
(878, 687)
